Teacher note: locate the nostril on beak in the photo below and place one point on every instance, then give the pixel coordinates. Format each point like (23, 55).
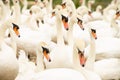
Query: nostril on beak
(49, 60)
(18, 35)
(95, 37)
(67, 29)
(83, 29)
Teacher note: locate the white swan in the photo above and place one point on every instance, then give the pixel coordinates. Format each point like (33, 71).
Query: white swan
(103, 51)
(110, 10)
(16, 16)
(82, 8)
(59, 58)
(9, 65)
(27, 67)
(97, 14)
(108, 68)
(84, 75)
(111, 29)
(25, 5)
(5, 11)
(92, 47)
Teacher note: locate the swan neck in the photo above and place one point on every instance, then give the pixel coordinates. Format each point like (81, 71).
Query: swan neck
(50, 5)
(89, 6)
(40, 58)
(84, 3)
(76, 62)
(25, 3)
(91, 58)
(13, 40)
(60, 40)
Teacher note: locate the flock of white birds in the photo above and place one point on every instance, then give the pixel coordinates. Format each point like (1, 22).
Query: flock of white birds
(60, 43)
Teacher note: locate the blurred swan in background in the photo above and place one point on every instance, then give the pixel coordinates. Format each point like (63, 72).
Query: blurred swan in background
(9, 66)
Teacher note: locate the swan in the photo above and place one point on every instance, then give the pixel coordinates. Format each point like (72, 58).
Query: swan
(27, 67)
(110, 10)
(4, 11)
(25, 5)
(97, 14)
(110, 28)
(103, 51)
(82, 8)
(59, 57)
(108, 68)
(55, 71)
(92, 47)
(41, 74)
(9, 66)
(16, 16)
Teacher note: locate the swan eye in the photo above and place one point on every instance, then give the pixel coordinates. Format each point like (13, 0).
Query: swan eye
(79, 20)
(93, 30)
(15, 1)
(80, 52)
(64, 18)
(45, 49)
(15, 26)
(30, 12)
(118, 12)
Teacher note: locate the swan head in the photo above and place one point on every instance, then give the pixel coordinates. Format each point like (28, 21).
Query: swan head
(82, 57)
(80, 23)
(99, 7)
(93, 33)
(65, 22)
(6, 1)
(45, 51)
(91, 2)
(63, 5)
(117, 14)
(62, 14)
(16, 29)
(15, 1)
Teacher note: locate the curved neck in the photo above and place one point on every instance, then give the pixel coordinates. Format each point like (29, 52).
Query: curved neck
(40, 64)
(76, 58)
(70, 31)
(16, 13)
(25, 3)
(3, 11)
(3, 29)
(76, 63)
(83, 3)
(13, 40)
(89, 5)
(115, 27)
(60, 40)
(50, 5)
(91, 58)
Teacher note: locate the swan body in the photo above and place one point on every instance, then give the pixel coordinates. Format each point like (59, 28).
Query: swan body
(16, 17)
(108, 68)
(9, 65)
(97, 15)
(103, 51)
(62, 53)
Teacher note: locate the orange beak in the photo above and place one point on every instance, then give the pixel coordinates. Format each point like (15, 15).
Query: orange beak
(16, 32)
(81, 26)
(94, 35)
(82, 60)
(47, 56)
(65, 25)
